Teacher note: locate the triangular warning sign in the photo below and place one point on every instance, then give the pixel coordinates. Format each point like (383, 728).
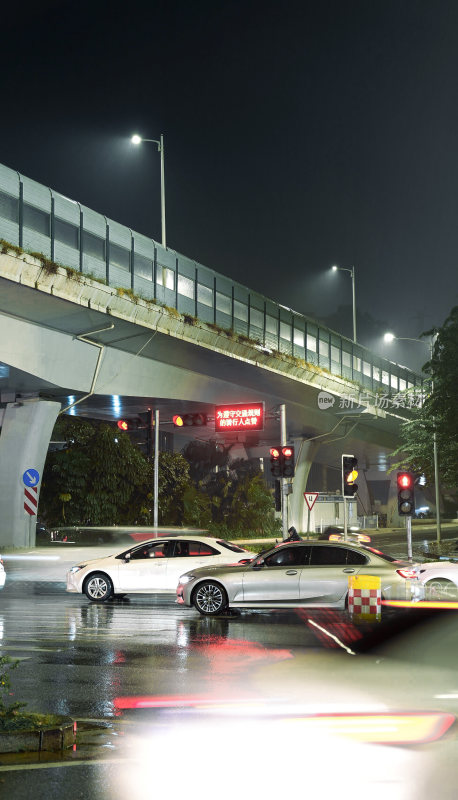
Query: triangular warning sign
(310, 498)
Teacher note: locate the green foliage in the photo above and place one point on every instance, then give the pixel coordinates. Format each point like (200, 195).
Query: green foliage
(100, 477)
(11, 718)
(196, 508)
(7, 664)
(202, 457)
(28, 721)
(439, 413)
(237, 500)
(173, 483)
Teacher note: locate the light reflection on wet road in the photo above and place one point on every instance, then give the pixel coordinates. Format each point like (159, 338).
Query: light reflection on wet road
(78, 657)
(92, 660)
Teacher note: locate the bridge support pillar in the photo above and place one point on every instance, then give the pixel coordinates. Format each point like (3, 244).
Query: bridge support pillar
(24, 440)
(305, 454)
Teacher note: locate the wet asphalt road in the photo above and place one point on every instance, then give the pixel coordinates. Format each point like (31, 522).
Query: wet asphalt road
(89, 661)
(120, 661)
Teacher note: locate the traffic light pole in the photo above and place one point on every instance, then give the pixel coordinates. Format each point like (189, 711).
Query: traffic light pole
(345, 519)
(156, 468)
(409, 538)
(284, 501)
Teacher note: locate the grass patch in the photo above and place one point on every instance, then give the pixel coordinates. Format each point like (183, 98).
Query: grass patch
(48, 266)
(190, 320)
(122, 292)
(5, 247)
(172, 311)
(215, 327)
(17, 721)
(93, 277)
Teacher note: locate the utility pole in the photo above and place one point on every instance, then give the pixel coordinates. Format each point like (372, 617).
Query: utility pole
(284, 497)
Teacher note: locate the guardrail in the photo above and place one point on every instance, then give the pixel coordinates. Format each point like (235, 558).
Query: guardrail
(41, 221)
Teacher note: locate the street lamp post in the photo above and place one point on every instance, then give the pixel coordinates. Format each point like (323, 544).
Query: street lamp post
(351, 270)
(389, 337)
(136, 139)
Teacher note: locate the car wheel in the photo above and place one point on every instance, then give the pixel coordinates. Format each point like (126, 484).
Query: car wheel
(441, 589)
(210, 598)
(98, 587)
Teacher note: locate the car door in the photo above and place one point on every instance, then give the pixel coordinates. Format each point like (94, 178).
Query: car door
(325, 578)
(277, 580)
(146, 568)
(187, 555)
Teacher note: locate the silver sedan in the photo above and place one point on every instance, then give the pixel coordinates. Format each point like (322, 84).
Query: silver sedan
(292, 575)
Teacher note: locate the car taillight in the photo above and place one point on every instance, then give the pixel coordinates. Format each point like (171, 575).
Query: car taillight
(408, 574)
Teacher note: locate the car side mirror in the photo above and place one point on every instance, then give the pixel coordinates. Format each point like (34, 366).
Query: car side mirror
(127, 558)
(258, 564)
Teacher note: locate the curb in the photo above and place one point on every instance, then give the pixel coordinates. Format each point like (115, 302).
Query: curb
(51, 739)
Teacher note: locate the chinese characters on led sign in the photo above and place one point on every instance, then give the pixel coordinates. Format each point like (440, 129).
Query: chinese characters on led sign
(239, 416)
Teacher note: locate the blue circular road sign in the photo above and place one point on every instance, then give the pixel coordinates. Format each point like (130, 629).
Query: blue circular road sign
(31, 477)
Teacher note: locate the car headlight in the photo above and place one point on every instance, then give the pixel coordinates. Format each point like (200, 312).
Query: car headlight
(77, 569)
(186, 579)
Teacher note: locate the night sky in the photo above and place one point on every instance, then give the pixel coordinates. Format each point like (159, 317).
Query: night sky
(297, 135)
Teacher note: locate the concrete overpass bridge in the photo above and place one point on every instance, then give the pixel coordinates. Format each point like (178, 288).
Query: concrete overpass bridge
(98, 320)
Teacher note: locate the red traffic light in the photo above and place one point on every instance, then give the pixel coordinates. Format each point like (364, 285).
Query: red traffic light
(287, 454)
(404, 480)
(406, 494)
(123, 425)
(274, 452)
(178, 420)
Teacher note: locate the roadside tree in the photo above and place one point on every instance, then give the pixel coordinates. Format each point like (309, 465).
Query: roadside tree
(439, 413)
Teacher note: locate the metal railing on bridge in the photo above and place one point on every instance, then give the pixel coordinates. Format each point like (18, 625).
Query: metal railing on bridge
(38, 219)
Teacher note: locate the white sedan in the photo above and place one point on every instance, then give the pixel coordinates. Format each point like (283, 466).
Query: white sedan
(152, 566)
(439, 579)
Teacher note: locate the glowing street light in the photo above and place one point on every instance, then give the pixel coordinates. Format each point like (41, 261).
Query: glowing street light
(351, 270)
(390, 337)
(136, 139)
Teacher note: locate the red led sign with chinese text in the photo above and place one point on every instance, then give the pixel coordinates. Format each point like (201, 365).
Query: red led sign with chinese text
(239, 417)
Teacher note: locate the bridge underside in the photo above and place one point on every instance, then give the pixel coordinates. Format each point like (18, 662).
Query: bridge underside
(151, 368)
